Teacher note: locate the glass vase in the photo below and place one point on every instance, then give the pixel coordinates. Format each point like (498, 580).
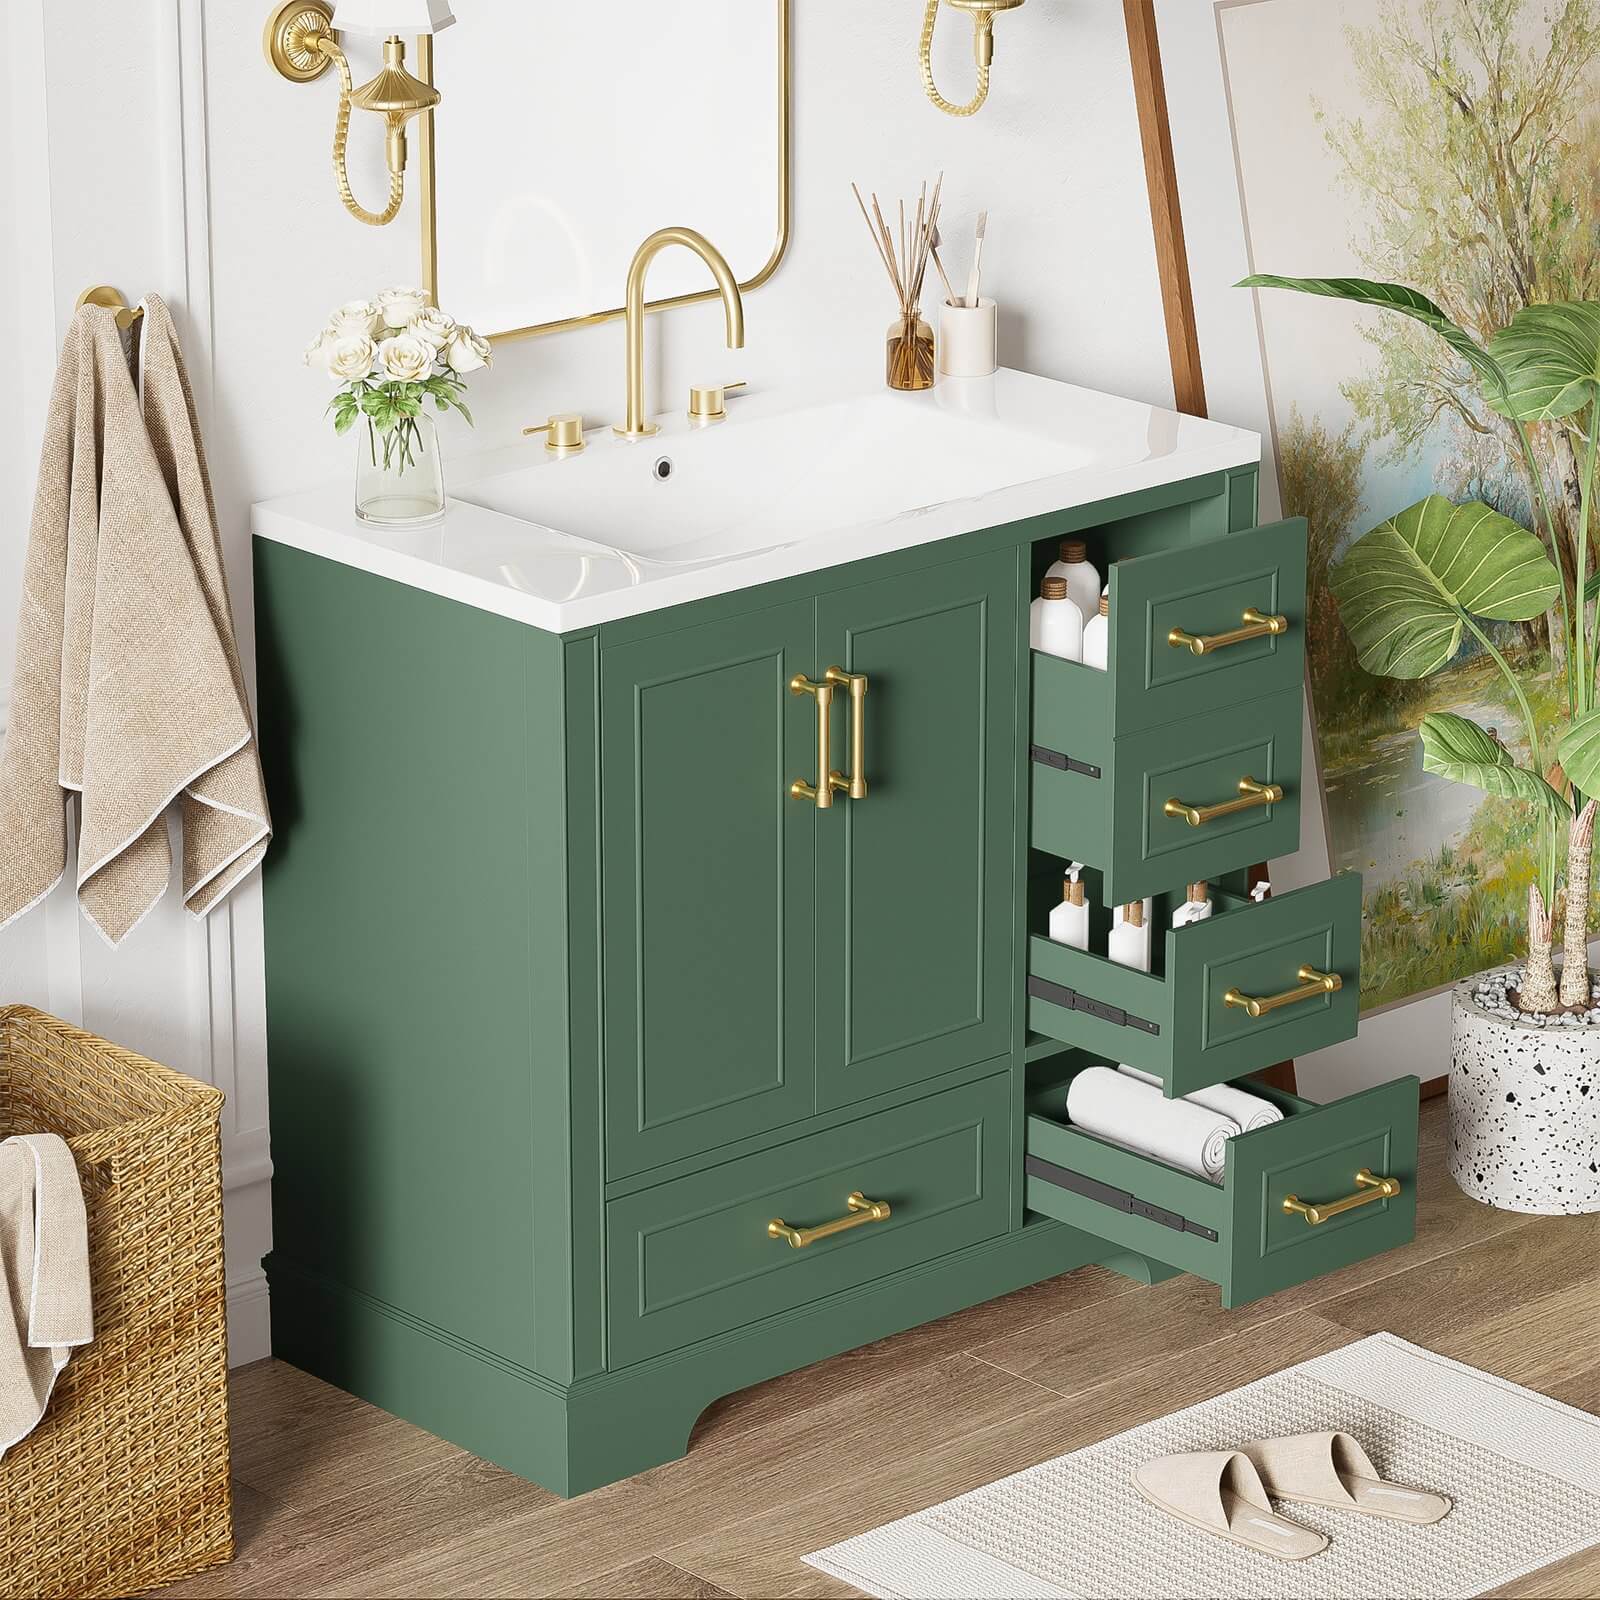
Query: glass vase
(908, 353)
(399, 474)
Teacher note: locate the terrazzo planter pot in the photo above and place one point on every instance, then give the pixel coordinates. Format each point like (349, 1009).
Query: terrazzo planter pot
(1524, 1109)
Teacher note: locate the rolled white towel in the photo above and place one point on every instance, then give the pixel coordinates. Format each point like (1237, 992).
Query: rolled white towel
(1132, 1114)
(1250, 1111)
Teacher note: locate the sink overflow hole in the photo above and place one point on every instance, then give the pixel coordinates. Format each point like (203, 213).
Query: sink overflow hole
(663, 468)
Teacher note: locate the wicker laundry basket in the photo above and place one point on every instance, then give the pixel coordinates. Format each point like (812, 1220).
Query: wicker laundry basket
(124, 1484)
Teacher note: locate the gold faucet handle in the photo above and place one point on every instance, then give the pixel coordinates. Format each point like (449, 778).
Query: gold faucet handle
(563, 433)
(707, 404)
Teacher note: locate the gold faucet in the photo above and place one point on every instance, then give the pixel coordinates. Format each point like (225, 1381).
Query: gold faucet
(638, 426)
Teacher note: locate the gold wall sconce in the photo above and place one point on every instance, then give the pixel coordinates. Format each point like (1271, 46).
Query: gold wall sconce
(302, 42)
(982, 13)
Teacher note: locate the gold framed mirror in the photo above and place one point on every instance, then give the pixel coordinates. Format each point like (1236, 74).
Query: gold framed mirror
(535, 239)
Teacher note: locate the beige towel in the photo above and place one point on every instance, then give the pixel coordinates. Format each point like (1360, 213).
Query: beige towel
(127, 688)
(44, 1277)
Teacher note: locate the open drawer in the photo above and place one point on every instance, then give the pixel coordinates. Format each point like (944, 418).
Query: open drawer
(1165, 607)
(1199, 708)
(1230, 995)
(1170, 805)
(1192, 629)
(1240, 1234)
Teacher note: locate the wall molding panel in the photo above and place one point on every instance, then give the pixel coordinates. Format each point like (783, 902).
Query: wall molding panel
(174, 990)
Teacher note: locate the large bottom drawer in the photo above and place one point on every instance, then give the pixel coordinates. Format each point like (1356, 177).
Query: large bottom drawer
(699, 1255)
(1241, 1235)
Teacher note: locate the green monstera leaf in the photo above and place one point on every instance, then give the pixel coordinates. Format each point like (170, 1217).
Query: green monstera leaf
(1403, 586)
(1551, 358)
(1395, 297)
(1460, 750)
(1579, 752)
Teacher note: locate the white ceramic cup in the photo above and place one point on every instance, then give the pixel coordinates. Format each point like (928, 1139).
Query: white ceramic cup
(967, 339)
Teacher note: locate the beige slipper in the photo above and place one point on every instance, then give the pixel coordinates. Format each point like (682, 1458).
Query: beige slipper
(1219, 1491)
(1331, 1469)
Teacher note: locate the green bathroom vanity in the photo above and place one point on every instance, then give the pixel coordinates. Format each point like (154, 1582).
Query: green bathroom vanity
(584, 1014)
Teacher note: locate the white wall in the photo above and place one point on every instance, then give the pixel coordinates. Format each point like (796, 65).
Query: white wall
(1055, 157)
(178, 162)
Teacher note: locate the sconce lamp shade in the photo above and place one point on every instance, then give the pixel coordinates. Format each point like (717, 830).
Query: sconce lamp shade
(386, 17)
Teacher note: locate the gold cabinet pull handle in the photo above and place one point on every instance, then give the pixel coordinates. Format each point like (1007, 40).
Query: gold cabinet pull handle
(1251, 794)
(1368, 1189)
(1312, 983)
(856, 682)
(1257, 625)
(822, 790)
(862, 1210)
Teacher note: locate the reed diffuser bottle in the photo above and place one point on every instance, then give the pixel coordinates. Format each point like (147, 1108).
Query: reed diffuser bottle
(908, 353)
(908, 348)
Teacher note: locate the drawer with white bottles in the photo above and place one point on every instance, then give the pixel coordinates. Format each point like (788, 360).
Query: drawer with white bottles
(1239, 985)
(1181, 630)
(1165, 740)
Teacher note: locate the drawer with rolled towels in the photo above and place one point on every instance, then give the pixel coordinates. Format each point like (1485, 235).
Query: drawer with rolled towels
(1304, 1190)
(1248, 985)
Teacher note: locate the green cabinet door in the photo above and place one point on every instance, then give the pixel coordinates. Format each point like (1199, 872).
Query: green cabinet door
(708, 872)
(915, 882)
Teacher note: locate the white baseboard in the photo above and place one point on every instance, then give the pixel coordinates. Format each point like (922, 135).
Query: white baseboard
(249, 1320)
(247, 1222)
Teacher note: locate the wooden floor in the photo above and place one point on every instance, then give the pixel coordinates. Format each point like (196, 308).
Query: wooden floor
(337, 1498)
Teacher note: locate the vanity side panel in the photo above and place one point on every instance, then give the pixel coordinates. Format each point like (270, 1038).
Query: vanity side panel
(1243, 498)
(569, 1139)
(400, 939)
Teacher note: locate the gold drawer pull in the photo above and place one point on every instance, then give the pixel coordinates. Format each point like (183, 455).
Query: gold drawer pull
(856, 682)
(822, 790)
(1257, 625)
(862, 1210)
(1251, 794)
(1312, 983)
(1370, 1189)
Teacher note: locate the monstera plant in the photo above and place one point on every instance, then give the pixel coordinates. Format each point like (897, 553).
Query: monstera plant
(1411, 590)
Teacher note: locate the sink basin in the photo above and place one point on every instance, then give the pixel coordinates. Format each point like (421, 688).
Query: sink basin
(729, 490)
(785, 485)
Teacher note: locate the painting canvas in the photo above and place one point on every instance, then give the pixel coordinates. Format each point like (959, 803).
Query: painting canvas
(1454, 146)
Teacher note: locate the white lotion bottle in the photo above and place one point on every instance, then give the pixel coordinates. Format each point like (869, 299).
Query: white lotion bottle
(1097, 634)
(1069, 921)
(1130, 937)
(1083, 582)
(1055, 624)
(1196, 908)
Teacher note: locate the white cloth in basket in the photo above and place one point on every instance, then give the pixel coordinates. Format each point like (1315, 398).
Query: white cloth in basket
(45, 1310)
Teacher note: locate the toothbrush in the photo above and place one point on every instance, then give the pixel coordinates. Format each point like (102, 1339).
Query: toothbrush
(950, 293)
(977, 259)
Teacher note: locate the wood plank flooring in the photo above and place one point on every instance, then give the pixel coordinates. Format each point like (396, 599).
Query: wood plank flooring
(336, 1498)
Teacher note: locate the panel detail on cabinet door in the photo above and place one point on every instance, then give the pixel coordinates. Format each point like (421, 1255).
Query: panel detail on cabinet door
(708, 879)
(915, 890)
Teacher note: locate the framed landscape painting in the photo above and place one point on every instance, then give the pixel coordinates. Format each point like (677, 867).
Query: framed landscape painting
(1453, 146)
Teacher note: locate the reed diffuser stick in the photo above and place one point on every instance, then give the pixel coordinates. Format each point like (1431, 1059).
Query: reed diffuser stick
(877, 240)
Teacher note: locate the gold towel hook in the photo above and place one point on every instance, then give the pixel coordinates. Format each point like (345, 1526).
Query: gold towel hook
(102, 294)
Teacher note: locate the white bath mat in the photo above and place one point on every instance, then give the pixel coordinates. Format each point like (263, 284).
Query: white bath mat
(1523, 1470)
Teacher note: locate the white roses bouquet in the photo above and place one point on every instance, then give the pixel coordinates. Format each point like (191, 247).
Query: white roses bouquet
(387, 355)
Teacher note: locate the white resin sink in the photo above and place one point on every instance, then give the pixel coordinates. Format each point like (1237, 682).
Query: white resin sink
(728, 490)
(781, 487)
